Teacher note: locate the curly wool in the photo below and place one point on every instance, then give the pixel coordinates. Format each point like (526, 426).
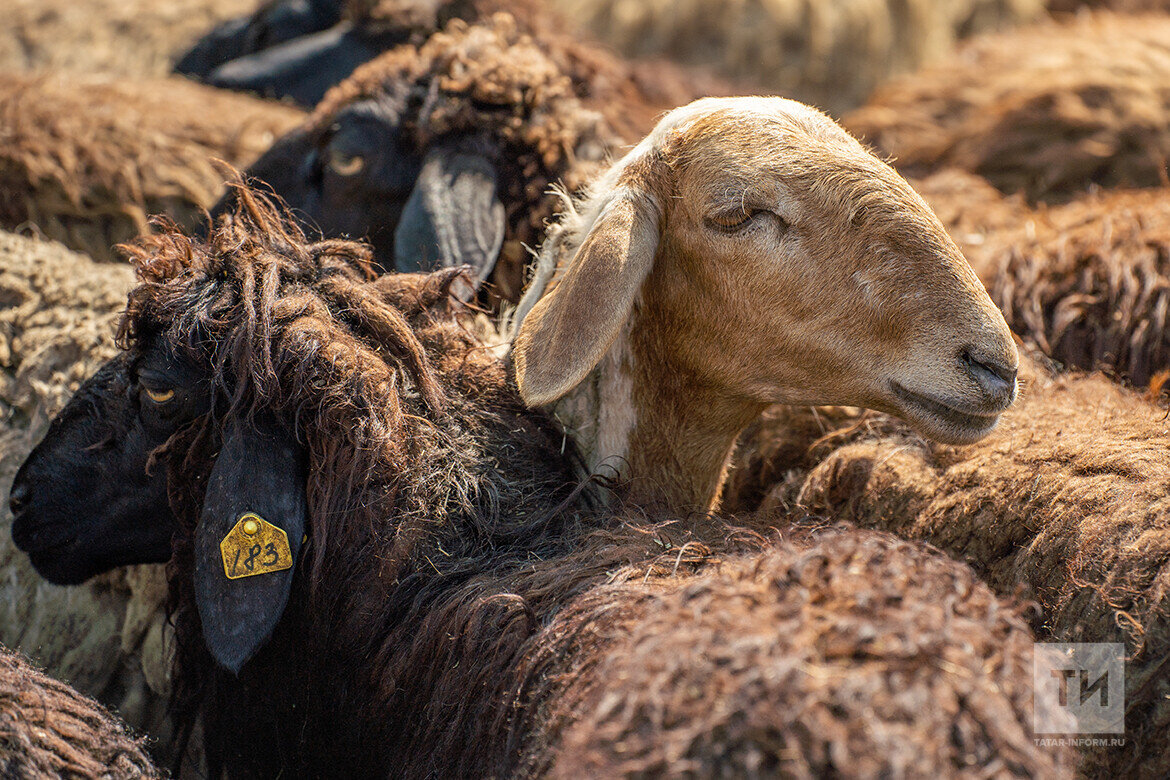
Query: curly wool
(492, 81)
(1067, 498)
(48, 729)
(826, 649)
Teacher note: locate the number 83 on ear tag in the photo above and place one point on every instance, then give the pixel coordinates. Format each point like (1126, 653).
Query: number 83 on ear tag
(254, 546)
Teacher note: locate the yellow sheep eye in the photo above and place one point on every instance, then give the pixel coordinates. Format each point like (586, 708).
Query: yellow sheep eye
(346, 165)
(159, 397)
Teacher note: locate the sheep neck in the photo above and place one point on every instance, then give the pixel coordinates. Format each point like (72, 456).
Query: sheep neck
(664, 432)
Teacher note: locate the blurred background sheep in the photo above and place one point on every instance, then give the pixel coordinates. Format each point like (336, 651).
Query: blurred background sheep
(1037, 129)
(830, 54)
(108, 638)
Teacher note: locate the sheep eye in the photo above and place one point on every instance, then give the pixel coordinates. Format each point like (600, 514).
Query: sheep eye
(159, 396)
(346, 164)
(731, 221)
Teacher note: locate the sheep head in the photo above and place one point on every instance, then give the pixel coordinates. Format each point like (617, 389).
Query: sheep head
(753, 246)
(442, 154)
(246, 358)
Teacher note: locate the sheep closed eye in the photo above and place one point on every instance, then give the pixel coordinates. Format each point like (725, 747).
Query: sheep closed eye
(738, 220)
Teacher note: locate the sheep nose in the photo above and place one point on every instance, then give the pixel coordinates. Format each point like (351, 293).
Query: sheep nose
(18, 497)
(996, 380)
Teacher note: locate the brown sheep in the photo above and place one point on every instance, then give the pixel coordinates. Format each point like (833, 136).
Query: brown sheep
(48, 729)
(85, 160)
(1049, 111)
(1067, 497)
(453, 608)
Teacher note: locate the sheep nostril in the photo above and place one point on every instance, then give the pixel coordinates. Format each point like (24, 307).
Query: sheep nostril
(996, 380)
(18, 498)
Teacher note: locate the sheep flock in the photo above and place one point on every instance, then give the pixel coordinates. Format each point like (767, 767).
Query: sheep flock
(585, 388)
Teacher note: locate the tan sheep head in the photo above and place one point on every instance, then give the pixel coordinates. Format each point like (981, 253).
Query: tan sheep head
(753, 247)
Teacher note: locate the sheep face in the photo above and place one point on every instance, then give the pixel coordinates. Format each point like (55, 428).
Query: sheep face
(99, 501)
(759, 250)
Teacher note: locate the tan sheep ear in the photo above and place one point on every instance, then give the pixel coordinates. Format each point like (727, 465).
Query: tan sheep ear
(570, 329)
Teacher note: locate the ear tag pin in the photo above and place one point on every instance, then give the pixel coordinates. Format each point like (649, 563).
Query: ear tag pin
(254, 546)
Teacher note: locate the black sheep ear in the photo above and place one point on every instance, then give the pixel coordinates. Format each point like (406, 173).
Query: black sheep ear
(302, 69)
(454, 216)
(248, 538)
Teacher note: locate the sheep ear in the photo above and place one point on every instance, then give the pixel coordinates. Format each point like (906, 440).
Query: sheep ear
(570, 329)
(248, 538)
(453, 217)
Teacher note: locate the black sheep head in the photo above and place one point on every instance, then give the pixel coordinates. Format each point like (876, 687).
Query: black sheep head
(441, 155)
(88, 498)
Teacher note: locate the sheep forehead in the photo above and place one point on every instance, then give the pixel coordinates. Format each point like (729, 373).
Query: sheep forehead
(722, 140)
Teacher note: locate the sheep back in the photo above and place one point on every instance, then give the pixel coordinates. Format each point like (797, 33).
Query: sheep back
(87, 159)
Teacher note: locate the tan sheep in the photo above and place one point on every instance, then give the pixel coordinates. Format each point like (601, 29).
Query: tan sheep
(135, 38)
(107, 638)
(749, 252)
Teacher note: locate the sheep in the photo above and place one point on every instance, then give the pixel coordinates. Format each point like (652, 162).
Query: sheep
(251, 55)
(1066, 498)
(48, 729)
(127, 38)
(454, 608)
(681, 301)
(1089, 282)
(1049, 111)
(86, 159)
(110, 638)
(831, 53)
(444, 153)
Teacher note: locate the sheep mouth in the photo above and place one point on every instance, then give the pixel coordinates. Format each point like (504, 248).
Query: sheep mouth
(942, 420)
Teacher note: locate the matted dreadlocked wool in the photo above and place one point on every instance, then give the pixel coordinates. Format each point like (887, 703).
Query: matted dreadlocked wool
(1089, 282)
(87, 159)
(1068, 499)
(48, 729)
(830, 53)
(494, 81)
(1048, 111)
(109, 637)
(134, 38)
(631, 94)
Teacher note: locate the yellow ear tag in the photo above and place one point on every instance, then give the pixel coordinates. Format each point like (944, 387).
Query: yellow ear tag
(254, 546)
